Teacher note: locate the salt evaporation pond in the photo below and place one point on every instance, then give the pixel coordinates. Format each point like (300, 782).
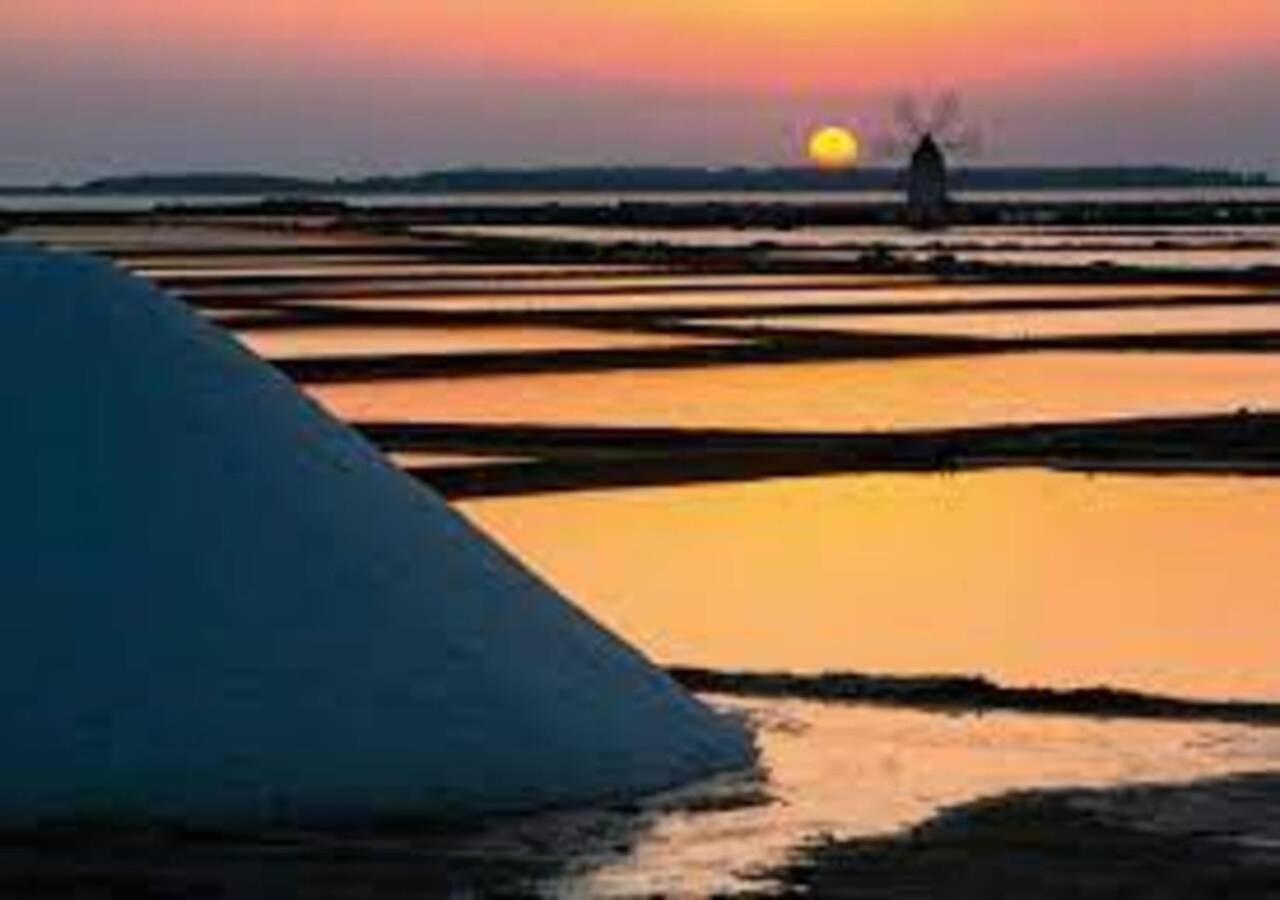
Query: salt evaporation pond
(764, 292)
(304, 343)
(1183, 248)
(854, 236)
(1053, 323)
(1028, 577)
(1024, 576)
(932, 393)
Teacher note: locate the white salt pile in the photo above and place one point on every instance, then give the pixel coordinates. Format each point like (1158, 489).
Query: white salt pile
(219, 603)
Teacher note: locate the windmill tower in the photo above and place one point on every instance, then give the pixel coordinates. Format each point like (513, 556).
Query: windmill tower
(928, 196)
(928, 139)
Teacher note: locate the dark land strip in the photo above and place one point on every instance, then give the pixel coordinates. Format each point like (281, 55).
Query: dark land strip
(726, 263)
(762, 258)
(789, 215)
(752, 346)
(480, 250)
(960, 695)
(589, 458)
(326, 282)
(448, 314)
(1212, 840)
(773, 275)
(746, 348)
(554, 255)
(595, 209)
(404, 250)
(1188, 241)
(368, 292)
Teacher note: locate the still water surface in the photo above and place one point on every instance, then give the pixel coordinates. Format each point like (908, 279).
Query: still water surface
(1039, 324)
(1165, 585)
(855, 396)
(756, 292)
(347, 342)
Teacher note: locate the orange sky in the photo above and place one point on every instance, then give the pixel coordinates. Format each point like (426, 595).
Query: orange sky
(746, 44)
(801, 50)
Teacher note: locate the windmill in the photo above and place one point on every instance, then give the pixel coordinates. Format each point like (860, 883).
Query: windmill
(927, 135)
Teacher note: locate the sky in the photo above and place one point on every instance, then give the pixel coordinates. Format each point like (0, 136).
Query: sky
(335, 87)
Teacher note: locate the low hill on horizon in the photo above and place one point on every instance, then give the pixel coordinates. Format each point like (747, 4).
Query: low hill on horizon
(656, 180)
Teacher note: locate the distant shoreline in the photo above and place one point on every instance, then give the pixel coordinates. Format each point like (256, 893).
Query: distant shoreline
(651, 180)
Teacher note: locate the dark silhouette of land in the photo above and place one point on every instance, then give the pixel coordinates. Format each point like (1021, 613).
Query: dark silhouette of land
(655, 179)
(953, 694)
(560, 459)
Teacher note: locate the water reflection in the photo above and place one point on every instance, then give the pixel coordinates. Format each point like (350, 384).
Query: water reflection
(244, 261)
(848, 772)
(1118, 240)
(418, 460)
(307, 269)
(1209, 257)
(312, 342)
(1184, 248)
(1161, 585)
(1040, 324)
(775, 292)
(595, 283)
(930, 393)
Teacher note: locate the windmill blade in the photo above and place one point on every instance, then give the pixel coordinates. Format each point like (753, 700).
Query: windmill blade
(945, 114)
(906, 111)
(968, 143)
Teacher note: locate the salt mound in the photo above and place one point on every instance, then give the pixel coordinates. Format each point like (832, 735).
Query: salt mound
(220, 603)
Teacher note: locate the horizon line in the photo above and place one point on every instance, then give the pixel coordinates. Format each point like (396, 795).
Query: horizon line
(845, 178)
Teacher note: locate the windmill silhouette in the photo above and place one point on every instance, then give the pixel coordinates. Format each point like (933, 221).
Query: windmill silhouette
(927, 135)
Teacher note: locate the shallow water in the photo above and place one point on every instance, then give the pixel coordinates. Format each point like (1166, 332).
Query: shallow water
(1206, 257)
(608, 285)
(851, 771)
(1039, 324)
(1163, 585)
(246, 261)
(873, 395)
(763, 291)
(306, 343)
(411, 459)
(1117, 240)
(395, 270)
(1180, 248)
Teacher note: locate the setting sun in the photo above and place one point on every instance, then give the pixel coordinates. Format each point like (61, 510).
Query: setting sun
(833, 148)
